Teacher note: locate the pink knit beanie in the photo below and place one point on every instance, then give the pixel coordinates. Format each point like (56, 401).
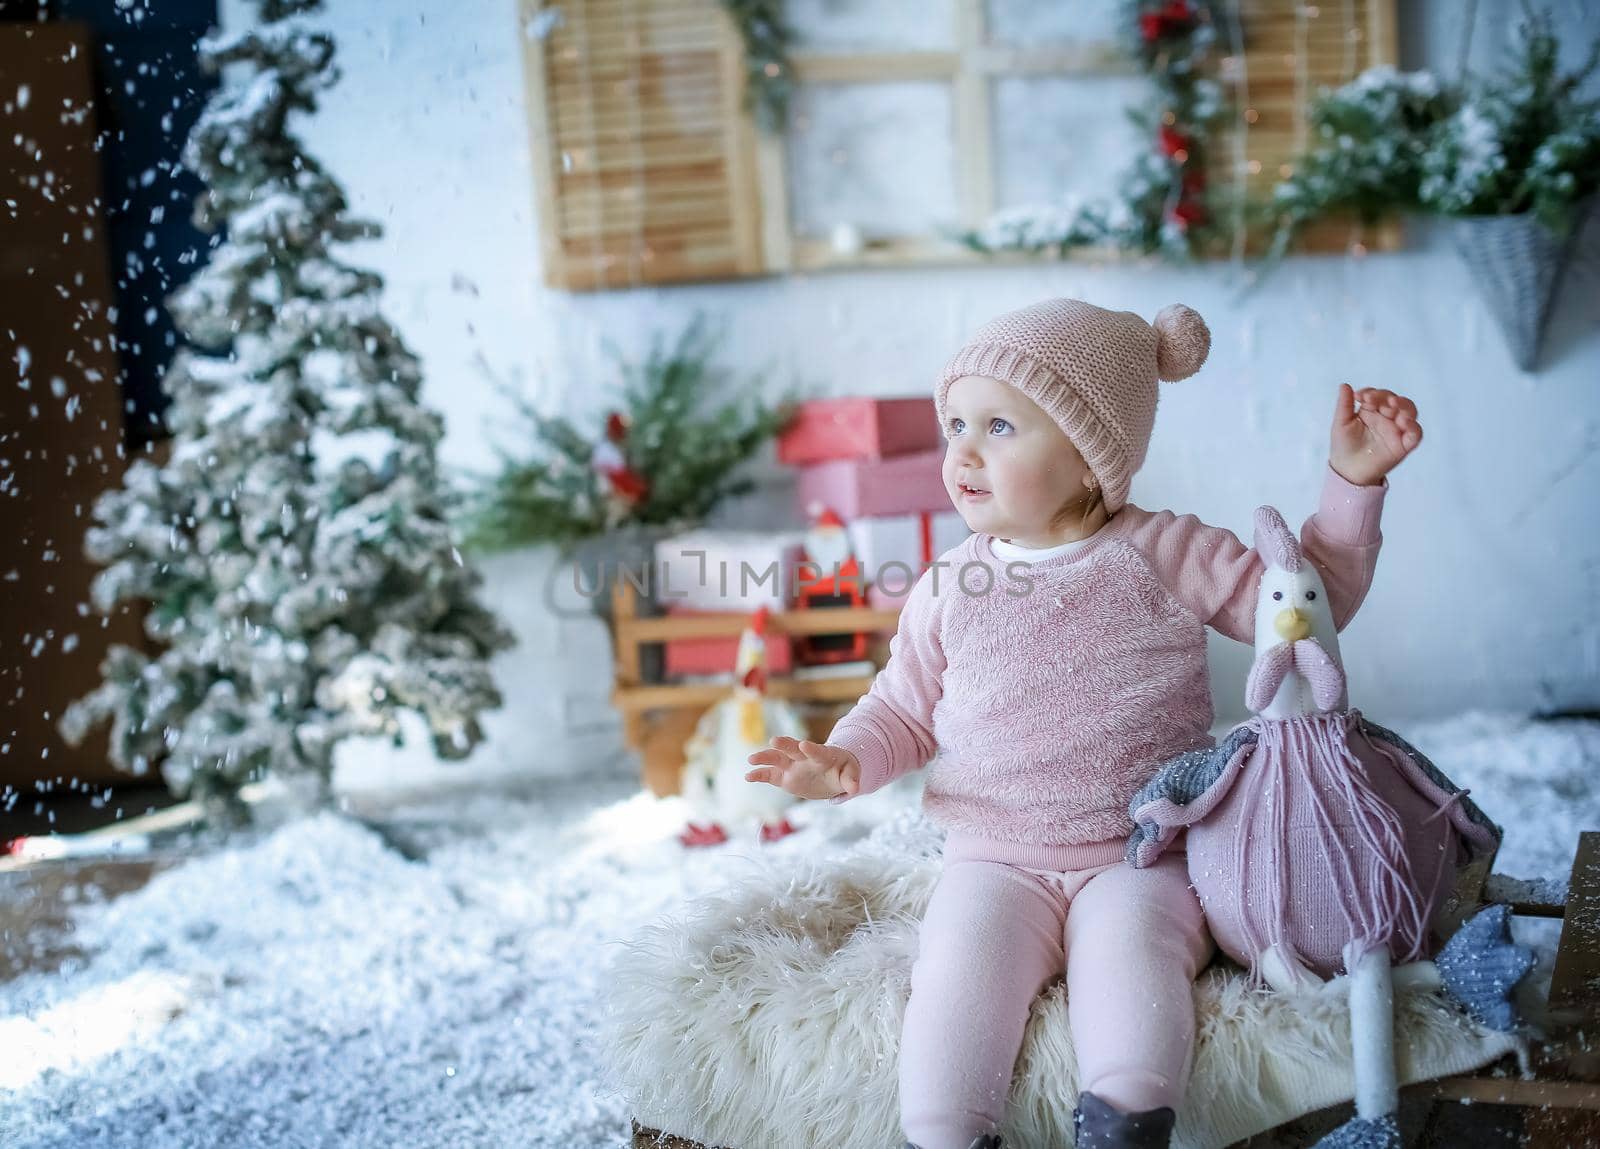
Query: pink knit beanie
(1093, 371)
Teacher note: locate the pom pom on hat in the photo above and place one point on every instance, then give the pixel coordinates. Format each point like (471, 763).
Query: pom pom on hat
(1182, 342)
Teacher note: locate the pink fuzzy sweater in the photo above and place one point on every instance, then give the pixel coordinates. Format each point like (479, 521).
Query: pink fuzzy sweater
(1050, 699)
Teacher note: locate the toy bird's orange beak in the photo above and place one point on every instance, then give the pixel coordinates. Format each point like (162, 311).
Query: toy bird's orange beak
(1291, 625)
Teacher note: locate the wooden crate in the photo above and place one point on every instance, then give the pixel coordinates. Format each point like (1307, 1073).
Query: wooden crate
(657, 718)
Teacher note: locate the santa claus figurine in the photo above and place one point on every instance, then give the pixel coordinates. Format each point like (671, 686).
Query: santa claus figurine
(832, 580)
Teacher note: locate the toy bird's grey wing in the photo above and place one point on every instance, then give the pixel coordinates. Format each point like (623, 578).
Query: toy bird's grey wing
(1480, 833)
(1184, 790)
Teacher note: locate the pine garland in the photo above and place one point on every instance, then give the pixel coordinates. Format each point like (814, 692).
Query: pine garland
(676, 453)
(1521, 141)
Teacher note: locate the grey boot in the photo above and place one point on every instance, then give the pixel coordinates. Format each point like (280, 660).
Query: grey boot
(984, 1141)
(1364, 1133)
(1099, 1125)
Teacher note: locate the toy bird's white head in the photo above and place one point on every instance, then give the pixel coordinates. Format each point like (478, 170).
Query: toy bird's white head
(1291, 604)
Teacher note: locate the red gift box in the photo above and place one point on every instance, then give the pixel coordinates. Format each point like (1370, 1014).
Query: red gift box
(857, 488)
(826, 429)
(718, 655)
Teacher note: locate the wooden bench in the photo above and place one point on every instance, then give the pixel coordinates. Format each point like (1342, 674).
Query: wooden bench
(1556, 1107)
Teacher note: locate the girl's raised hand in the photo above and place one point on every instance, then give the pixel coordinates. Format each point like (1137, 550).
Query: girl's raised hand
(806, 769)
(1369, 442)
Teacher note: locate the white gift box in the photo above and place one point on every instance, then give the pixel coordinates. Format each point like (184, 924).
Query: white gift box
(897, 539)
(728, 570)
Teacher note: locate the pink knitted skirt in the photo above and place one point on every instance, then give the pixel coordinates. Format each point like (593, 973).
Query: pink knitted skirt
(1322, 842)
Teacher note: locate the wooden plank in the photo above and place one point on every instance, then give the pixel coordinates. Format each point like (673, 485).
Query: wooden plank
(639, 698)
(581, 125)
(619, 102)
(542, 150)
(874, 67)
(686, 212)
(671, 152)
(772, 180)
(646, 64)
(624, 617)
(791, 622)
(742, 189)
(975, 171)
(611, 274)
(1383, 30)
(639, 235)
(1511, 1091)
(645, 1138)
(36, 904)
(1087, 59)
(1575, 983)
(608, 191)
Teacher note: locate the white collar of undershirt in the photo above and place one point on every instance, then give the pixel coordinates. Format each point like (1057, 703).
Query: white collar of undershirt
(1011, 552)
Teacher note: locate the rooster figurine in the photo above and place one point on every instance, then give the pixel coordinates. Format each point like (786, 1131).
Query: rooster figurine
(1319, 842)
(715, 757)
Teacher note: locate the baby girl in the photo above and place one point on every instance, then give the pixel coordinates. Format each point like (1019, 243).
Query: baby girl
(1051, 661)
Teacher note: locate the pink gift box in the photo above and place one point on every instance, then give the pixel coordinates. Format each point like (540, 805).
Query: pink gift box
(857, 488)
(827, 429)
(718, 655)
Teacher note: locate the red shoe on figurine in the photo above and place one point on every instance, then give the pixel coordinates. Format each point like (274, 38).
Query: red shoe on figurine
(707, 835)
(772, 831)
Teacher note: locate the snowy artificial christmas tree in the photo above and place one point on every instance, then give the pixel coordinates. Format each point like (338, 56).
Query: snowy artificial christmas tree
(295, 549)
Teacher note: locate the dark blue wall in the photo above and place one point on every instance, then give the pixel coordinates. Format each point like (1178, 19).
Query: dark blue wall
(150, 90)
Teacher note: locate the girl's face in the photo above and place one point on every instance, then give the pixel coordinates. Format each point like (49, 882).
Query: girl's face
(1009, 469)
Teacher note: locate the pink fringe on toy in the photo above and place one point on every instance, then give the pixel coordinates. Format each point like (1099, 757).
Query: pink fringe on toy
(1377, 894)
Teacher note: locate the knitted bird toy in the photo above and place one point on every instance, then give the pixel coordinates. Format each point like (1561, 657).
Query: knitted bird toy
(1319, 842)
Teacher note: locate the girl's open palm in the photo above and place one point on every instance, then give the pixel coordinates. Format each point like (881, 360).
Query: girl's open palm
(806, 769)
(1370, 441)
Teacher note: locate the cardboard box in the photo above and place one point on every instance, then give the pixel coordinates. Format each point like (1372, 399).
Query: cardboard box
(718, 655)
(828, 429)
(727, 572)
(859, 488)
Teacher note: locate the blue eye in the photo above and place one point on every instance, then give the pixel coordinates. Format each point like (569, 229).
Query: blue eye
(999, 426)
(957, 426)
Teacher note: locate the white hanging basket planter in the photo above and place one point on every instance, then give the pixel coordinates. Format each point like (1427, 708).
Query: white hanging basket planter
(1518, 264)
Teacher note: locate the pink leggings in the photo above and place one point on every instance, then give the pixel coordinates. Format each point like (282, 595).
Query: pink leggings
(996, 934)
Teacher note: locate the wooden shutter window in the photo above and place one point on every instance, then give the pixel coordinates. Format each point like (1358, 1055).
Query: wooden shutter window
(644, 160)
(1336, 41)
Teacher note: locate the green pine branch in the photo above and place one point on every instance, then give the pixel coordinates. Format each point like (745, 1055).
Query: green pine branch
(684, 439)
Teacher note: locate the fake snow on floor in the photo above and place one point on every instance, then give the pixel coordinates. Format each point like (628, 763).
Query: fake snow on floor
(316, 987)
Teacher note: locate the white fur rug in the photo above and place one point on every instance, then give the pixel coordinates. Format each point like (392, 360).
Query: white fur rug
(768, 1017)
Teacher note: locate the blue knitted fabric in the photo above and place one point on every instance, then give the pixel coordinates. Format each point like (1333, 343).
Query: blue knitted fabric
(1364, 1133)
(1481, 966)
(1183, 779)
